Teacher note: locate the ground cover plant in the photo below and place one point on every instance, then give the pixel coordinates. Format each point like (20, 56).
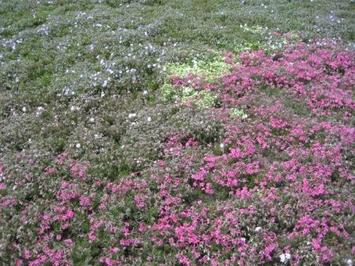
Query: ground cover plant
(177, 132)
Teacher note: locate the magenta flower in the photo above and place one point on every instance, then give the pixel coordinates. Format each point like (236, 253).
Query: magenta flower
(79, 169)
(85, 201)
(139, 200)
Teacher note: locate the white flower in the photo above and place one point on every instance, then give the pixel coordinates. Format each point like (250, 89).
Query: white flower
(78, 145)
(40, 110)
(24, 109)
(132, 115)
(349, 262)
(221, 146)
(74, 108)
(285, 257)
(145, 92)
(149, 119)
(258, 229)
(92, 120)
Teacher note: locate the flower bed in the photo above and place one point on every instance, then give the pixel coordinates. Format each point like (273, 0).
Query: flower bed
(272, 184)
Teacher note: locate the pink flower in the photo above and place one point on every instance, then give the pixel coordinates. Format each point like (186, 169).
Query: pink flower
(243, 193)
(26, 254)
(208, 189)
(61, 158)
(68, 215)
(92, 236)
(79, 169)
(142, 227)
(109, 262)
(50, 170)
(252, 168)
(139, 200)
(85, 201)
(183, 259)
(68, 242)
(228, 58)
(129, 242)
(236, 154)
(200, 175)
(39, 261)
(186, 235)
(114, 250)
(277, 123)
(316, 244)
(2, 169)
(268, 250)
(19, 262)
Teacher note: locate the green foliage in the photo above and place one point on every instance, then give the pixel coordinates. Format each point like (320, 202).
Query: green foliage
(168, 92)
(202, 99)
(235, 112)
(206, 99)
(208, 69)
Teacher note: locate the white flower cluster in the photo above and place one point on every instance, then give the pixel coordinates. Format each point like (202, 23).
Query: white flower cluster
(285, 257)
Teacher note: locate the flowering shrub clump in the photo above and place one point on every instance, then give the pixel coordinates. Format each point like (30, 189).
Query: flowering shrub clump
(266, 178)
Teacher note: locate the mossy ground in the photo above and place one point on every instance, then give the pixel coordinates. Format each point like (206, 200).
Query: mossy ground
(86, 78)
